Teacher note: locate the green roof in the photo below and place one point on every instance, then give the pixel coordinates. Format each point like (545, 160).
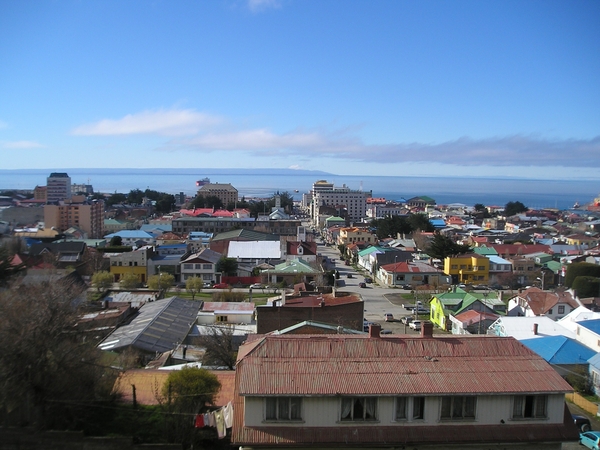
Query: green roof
(293, 266)
(485, 251)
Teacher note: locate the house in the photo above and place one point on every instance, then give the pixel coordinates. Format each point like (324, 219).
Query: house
(255, 252)
(536, 302)
(349, 235)
(135, 262)
(457, 300)
(468, 268)
(346, 311)
(588, 333)
(227, 312)
(301, 249)
(472, 322)
(292, 272)
(201, 264)
(528, 327)
(414, 273)
(372, 391)
(565, 354)
(133, 238)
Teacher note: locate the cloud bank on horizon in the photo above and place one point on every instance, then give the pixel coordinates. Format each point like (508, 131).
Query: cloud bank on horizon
(205, 133)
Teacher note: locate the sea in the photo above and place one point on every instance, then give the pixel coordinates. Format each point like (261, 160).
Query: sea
(264, 183)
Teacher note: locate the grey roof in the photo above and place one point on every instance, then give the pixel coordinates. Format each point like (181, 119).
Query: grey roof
(159, 327)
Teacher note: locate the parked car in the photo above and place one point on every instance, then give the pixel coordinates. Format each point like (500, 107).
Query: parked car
(415, 325)
(421, 310)
(207, 285)
(407, 320)
(386, 332)
(582, 422)
(221, 286)
(590, 439)
(388, 317)
(406, 286)
(368, 280)
(362, 285)
(256, 286)
(350, 275)
(366, 324)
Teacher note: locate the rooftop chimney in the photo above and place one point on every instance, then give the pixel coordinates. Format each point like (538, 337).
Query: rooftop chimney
(535, 328)
(426, 329)
(374, 330)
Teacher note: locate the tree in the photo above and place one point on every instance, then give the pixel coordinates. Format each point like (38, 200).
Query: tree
(49, 372)
(115, 199)
(479, 207)
(129, 281)
(187, 392)
(513, 208)
(102, 280)
(165, 203)
(582, 269)
(135, 197)
(220, 347)
(162, 282)
(420, 222)
(194, 285)
(116, 241)
(442, 246)
(7, 269)
(227, 266)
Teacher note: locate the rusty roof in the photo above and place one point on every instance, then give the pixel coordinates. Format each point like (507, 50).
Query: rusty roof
(332, 365)
(541, 302)
(315, 300)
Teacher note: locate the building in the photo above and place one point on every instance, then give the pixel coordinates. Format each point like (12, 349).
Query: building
(58, 187)
(325, 194)
(468, 268)
(213, 225)
(536, 302)
(351, 235)
(223, 191)
(372, 391)
(135, 262)
(201, 264)
(346, 311)
(77, 212)
(414, 273)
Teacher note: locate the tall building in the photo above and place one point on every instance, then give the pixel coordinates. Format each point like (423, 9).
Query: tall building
(325, 194)
(79, 213)
(58, 187)
(223, 191)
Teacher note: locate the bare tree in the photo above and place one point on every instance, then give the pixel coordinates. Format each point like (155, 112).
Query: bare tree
(47, 369)
(220, 347)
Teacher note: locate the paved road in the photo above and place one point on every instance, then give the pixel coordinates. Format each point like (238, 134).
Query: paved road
(378, 300)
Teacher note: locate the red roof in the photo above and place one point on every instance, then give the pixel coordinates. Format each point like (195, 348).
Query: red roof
(541, 302)
(315, 301)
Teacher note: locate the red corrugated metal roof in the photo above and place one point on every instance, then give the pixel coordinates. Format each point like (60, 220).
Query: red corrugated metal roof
(354, 364)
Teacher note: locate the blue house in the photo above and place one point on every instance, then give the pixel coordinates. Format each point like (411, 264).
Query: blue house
(563, 353)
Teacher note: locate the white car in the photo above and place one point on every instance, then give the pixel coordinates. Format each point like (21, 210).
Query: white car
(256, 286)
(415, 325)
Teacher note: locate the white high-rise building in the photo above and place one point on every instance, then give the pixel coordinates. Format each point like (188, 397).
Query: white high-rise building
(326, 194)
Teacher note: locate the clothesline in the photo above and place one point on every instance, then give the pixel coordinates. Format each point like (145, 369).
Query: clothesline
(221, 419)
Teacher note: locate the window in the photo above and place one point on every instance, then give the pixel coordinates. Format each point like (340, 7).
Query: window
(283, 408)
(359, 408)
(561, 309)
(207, 266)
(403, 405)
(530, 406)
(458, 408)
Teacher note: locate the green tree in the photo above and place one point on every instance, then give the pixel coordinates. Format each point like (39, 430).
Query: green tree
(513, 208)
(115, 199)
(194, 285)
(135, 197)
(442, 246)
(420, 222)
(227, 266)
(586, 286)
(116, 241)
(102, 280)
(165, 203)
(582, 269)
(162, 282)
(479, 207)
(129, 281)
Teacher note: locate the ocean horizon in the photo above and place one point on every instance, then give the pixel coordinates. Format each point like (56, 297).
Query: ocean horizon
(534, 193)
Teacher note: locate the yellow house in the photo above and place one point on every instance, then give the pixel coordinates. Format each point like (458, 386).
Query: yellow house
(468, 268)
(351, 235)
(135, 262)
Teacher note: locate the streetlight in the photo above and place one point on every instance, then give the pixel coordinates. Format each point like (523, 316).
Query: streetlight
(542, 279)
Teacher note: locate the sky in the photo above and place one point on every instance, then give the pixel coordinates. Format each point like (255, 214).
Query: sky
(377, 87)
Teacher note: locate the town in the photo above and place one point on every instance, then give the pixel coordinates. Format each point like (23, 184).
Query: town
(340, 320)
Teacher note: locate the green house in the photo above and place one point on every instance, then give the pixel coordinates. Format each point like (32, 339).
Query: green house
(458, 300)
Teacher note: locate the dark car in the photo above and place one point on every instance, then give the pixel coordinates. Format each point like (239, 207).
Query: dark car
(362, 285)
(582, 422)
(368, 280)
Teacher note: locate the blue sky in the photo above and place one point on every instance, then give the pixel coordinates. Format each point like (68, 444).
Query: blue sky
(378, 87)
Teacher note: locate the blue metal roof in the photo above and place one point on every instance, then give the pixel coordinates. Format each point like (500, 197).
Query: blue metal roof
(592, 325)
(559, 349)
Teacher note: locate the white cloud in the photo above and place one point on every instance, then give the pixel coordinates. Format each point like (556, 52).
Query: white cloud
(261, 5)
(21, 145)
(172, 122)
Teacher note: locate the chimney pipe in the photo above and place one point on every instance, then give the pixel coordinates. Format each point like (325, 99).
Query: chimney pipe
(374, 330)
(535, 328)
(426, 329)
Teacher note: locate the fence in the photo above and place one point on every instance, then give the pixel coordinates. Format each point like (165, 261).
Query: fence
(583, 403)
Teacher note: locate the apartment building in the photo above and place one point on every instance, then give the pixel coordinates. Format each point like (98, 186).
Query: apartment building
(223, 191)
(58, 187)
(326, 194)
(77, 212)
